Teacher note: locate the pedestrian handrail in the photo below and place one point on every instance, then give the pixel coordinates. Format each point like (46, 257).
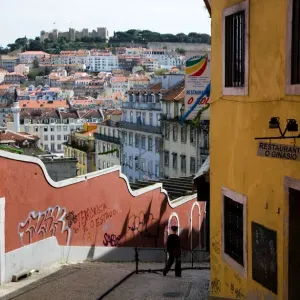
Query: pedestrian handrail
(191, 251)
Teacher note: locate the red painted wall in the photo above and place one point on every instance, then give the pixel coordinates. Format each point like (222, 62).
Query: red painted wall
(99, 211)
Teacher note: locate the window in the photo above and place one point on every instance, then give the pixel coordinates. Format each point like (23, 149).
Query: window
(192, 165)
(166, 158)
(144, 118)
(130, 138)
(46, 147)
(293, 48)
(174, 160)
(157, 144)
(150, 146)
(59, 147)
(65, 128)
(167, 131)
(36, 129)
(192, 135)
(175, 132)
(45, 128)
(59, 137)
(125, 138)
(45, 137)
(150, 168)
(295, 53)
(52, 137)
(183, 163)
(176, 110)
(234, 225)
(131, 117)
(183, 133)
(131, 162)
(235, 52)
(157, 170)
(168, 109)
(143, 166)
(151, 119)
(143, 142)
(65, 137)
(26, 129)
(52, 128)
(52, 147)
(137, 140)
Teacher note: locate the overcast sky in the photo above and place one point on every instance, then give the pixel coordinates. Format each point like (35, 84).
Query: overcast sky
(29, 17)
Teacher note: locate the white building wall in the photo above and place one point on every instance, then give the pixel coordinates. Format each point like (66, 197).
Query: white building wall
(52, 136)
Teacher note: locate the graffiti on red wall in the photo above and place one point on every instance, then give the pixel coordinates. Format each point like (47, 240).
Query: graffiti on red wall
(140, 225)
(111, 240)
(93, 217)
(43, 224)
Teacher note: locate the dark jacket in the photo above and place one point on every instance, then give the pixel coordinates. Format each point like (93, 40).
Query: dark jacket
(173, 244)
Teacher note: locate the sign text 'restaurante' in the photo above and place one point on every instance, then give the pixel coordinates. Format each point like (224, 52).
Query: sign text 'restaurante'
(278, 151)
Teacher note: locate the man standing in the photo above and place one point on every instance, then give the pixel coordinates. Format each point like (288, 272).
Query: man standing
(173, 248)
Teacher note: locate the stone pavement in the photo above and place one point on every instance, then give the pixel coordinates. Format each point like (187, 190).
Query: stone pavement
(89, 280)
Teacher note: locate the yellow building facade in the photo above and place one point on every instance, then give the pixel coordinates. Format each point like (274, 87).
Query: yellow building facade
(255, 181)
(81, 145)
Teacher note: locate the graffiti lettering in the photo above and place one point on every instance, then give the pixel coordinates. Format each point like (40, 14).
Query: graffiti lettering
(215, 263)
(237, 292)
(111, 240)
(71, 218)
(215, 243)
(44, 224)
(93, 217)
(140, 225)
(216, 286)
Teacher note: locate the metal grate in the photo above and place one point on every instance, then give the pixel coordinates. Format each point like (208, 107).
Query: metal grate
(233, 230)
(295, 55)
(235, 50)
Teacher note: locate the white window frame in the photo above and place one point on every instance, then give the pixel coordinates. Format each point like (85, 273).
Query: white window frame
(290, 89)
(242, 199)
(237, 91)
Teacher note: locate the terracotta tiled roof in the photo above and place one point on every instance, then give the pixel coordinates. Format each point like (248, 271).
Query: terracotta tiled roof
(14, 136)
(154, 88)
(119, 79)
(39, 114)
(43, 104)
(175, 93)
(93, 113)
(34, 53)
(67, 115)
(116, 113)
(5, 86)
(82, 102)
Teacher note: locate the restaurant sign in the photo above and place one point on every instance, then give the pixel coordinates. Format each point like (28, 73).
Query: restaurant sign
(288, 152)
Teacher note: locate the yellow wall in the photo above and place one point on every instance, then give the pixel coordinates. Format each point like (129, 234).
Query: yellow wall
(235, 122)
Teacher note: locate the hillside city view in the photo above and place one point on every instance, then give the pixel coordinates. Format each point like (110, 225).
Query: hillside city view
(150, 151)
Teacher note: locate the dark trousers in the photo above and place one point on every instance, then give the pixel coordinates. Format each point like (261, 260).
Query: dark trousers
(170, 263)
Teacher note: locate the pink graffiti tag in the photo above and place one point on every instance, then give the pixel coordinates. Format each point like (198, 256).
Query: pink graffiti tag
(41, 225)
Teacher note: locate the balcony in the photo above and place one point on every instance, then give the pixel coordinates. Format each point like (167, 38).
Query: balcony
(141, 127)
(204, 151)
(106, 138)
(142, 105)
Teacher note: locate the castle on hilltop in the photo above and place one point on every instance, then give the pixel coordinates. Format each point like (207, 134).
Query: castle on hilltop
(72, 34)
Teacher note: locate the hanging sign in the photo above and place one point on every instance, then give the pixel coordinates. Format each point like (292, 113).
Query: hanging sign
(287, 152)
(197, 77)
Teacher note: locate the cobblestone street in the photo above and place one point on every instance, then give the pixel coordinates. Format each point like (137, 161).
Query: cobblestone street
(90, 280)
